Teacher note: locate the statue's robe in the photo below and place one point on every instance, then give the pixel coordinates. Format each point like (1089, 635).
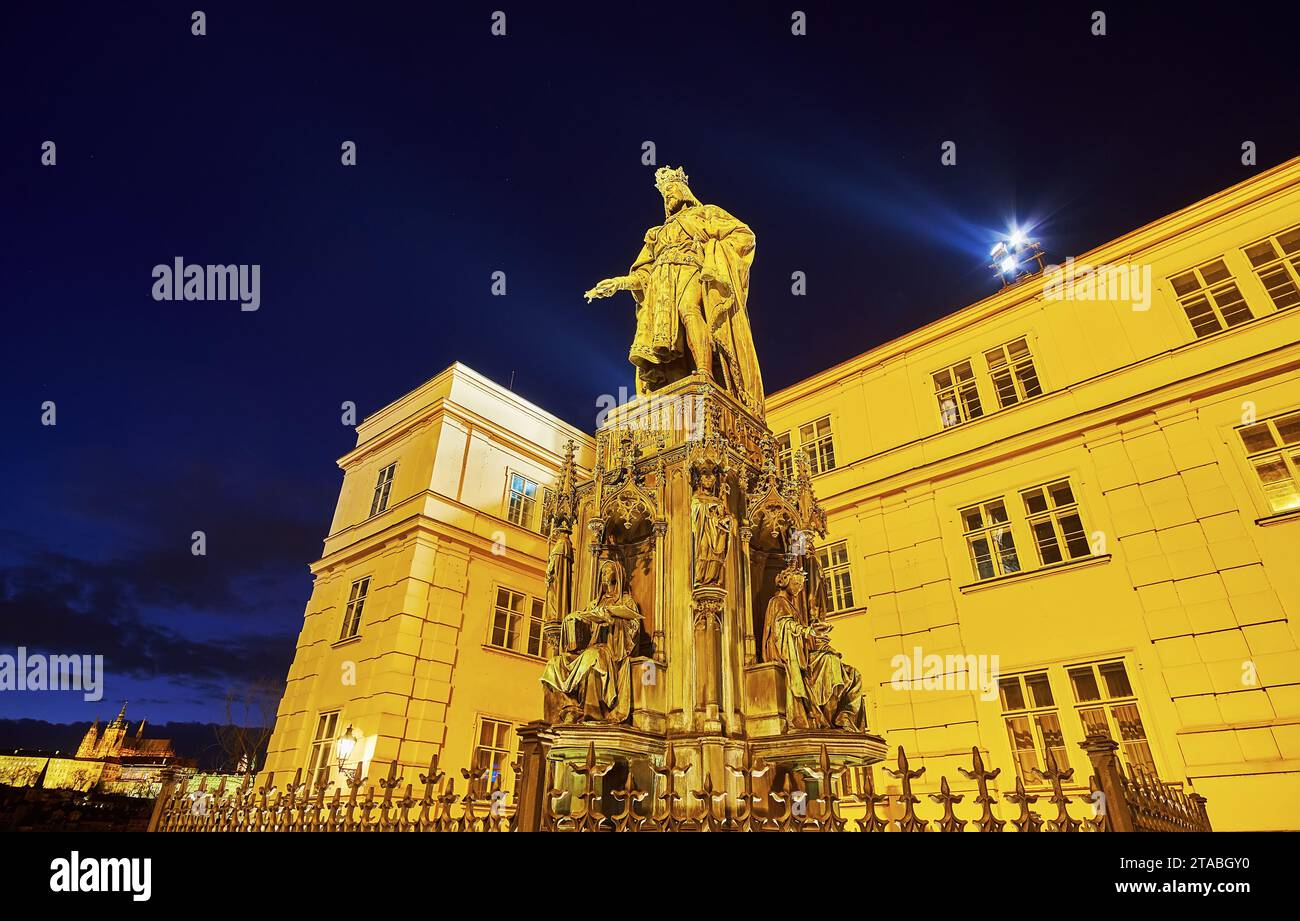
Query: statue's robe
(710, 537)
(783, 642)
(594, 670)
(697, 261)
(821, 690)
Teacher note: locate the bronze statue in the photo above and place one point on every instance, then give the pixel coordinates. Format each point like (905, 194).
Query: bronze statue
(822, 691)
(691, 286)
(710, 527)
(559, 575)
(589, 679)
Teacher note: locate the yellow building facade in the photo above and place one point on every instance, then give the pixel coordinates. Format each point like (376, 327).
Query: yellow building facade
(426, 599)
(1070, 507)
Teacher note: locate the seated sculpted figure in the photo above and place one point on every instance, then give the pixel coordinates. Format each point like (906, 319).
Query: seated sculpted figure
(822, 690)
(590, 678)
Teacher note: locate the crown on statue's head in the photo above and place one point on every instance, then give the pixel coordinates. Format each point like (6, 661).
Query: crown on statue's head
(664, 175)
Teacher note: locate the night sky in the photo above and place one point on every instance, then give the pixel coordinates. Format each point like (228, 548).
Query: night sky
(476, 154)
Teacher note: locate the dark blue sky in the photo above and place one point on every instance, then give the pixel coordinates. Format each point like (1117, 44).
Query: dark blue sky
(478, 154)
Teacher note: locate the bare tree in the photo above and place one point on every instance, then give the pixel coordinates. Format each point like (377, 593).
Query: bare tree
(249, 719)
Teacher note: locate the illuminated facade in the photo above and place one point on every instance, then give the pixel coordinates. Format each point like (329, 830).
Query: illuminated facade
(1086, 492)
(423, 628)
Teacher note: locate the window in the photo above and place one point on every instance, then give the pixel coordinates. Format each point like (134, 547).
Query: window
(383, 486)
(1273, 452)
(1277, 263)
(1052, 517)
(988, 539)
(520, 502)
(1108, 706)
(356, 603)
(322, 750)
(815, 439)
(1054, 521)
(1210, 298)
(785, 456)
(514, 629)
(1033, 724)
(491, 758)
(834, 562)
(958, 396)
(1014, 377)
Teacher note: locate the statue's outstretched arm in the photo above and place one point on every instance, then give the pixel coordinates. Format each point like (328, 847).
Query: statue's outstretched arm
(613, 285)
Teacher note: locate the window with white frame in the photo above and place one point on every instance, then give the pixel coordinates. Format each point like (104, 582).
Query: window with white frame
(1014, 376)
(492, 769)
(1276, 261)
(1053, 517)
(517, 622)
(383, 487)
(958, 394)
(1033, 724)
(322, 749)
(1273, 451)
(521, 500)
(1107, 706)
(356, 604)
(987, 530)
(834, 562)
(1210, 298)
(815, 439)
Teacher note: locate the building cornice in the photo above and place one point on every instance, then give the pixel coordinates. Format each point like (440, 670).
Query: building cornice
(439, 408)
(418, 521)
(386, 418)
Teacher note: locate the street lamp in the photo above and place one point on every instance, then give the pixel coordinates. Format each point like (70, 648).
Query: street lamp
(344, 747)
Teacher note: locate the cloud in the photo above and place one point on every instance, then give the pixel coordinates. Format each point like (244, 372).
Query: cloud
(153, 609)
(62, 604)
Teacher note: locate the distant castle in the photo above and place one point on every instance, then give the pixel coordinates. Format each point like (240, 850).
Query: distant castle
(113, 743)
(110, 761)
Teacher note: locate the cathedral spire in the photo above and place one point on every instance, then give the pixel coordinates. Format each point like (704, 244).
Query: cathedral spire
(121, 716)
(88, 742)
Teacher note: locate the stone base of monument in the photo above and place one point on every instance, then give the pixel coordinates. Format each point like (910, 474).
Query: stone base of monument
(795, 781)
(695, 524)
(597, 759)
(765, 695)
(649, 684)
(801, 749)
(572, 743)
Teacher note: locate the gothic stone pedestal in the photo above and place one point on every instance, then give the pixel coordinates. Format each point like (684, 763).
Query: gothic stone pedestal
(684, 468)
(598, 758)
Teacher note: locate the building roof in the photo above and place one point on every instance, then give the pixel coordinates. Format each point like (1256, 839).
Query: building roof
(1121, 249)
